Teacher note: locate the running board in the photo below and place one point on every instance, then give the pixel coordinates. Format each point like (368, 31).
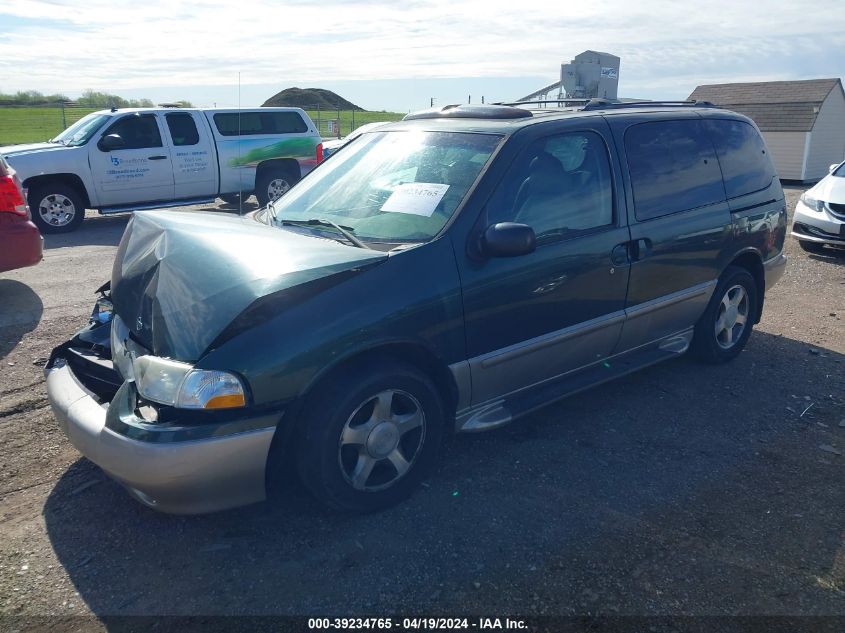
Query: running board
(155, 205)
(496, 413)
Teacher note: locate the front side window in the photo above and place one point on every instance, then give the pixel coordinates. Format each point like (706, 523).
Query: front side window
(559, 186)
(391, 186)
(742, 155)
(137, 131)
(182, 128)
(251, 123)
(673, 167)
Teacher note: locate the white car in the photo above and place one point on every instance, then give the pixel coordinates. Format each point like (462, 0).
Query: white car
(148, 158)
(819, 218)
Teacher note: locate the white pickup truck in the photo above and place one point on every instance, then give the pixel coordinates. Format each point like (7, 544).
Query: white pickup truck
(145, 158)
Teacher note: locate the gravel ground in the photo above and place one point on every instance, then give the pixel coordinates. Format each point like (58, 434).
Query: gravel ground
(682, 489)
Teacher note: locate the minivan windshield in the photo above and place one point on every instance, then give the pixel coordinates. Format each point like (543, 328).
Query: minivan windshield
(398, 186)
(80, 132)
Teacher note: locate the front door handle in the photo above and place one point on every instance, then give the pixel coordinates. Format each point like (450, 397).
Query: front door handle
(157, 157)
(619, 254)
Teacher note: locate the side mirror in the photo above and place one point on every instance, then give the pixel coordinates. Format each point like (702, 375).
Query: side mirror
(507, 239)
(832, 168)
(110, 142)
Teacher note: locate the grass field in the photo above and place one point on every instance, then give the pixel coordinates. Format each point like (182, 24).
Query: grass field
(32, 124)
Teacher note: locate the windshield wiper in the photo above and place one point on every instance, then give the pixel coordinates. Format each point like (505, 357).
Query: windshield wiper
(343, 230)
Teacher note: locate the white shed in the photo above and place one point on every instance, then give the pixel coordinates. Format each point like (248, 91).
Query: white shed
(803, 122)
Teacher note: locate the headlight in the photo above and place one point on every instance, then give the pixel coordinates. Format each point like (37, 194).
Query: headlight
(815, 205)
(179, 384)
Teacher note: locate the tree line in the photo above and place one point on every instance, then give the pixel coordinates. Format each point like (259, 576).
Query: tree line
(89, 99)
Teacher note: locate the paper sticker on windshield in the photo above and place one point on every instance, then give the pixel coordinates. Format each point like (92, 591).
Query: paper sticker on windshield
(416, 198)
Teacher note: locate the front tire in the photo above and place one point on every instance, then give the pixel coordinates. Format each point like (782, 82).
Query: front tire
(273, 184)
(56, 208)
(369, 436)
(723, 330)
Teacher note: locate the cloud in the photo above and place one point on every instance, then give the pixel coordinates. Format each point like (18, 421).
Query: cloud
(113, 45)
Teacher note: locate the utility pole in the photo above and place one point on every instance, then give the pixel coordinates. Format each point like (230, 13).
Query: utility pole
(431, 105)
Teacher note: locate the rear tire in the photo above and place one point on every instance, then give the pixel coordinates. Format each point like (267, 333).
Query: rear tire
(56, 208)
(723, 330)
(811, 247)
(369, 436)
(272, 184)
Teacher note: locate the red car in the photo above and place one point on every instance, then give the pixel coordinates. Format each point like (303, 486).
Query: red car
(20, 242)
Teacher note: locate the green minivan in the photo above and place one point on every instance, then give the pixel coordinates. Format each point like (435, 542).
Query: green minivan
(450, 272)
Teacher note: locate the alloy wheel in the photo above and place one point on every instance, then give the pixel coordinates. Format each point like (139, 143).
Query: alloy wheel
(276, 188)
(381, 440)
(56, 209)
(732, 316)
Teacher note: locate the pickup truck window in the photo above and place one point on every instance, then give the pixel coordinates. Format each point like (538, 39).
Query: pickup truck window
(82, 130)
(182, 128)
(137, 131)
(254, 123)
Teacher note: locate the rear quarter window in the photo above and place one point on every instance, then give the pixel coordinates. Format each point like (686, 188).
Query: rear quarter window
(673, 167)
(254, 123)
(746, 166)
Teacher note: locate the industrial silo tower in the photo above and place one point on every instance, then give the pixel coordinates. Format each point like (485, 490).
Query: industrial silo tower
(590, 75)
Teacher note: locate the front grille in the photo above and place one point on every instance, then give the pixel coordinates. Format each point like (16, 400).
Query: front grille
(837, 209)
(96, 373)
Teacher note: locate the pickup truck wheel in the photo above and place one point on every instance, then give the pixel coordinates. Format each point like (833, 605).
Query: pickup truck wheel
(56, 208)
(272, 185)
(370, 436)
(723, 330)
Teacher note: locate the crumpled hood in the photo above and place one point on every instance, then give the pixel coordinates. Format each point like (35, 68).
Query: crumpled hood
(830, 189)
(16, 150)
(180, 278)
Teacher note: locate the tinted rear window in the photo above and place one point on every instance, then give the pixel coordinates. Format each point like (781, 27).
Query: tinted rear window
(746, 166)
(252, 123)
(673, 167)
(182, 128)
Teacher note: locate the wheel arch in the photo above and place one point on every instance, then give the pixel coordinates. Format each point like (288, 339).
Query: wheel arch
(280, 165)
(750, 260)
(69, 179)
(412, 352)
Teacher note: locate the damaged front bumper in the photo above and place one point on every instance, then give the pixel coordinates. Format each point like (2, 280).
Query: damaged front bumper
(184, 467)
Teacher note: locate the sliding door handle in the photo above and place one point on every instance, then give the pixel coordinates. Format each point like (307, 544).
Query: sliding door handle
(157, 157)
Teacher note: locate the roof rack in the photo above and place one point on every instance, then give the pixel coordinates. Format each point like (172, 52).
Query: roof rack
(541, 101)
(610, 104)
(604, 104)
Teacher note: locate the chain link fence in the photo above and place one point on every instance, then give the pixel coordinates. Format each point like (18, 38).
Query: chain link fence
(34, 123)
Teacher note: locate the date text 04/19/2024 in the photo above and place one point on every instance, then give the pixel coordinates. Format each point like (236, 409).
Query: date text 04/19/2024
(416, 624)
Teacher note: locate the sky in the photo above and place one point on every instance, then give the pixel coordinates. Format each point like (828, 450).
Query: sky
(396, 55)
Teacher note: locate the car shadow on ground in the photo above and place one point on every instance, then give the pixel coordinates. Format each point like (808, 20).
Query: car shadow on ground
(20, 312)
(96, 230)
(683, 488)
(835, 256)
